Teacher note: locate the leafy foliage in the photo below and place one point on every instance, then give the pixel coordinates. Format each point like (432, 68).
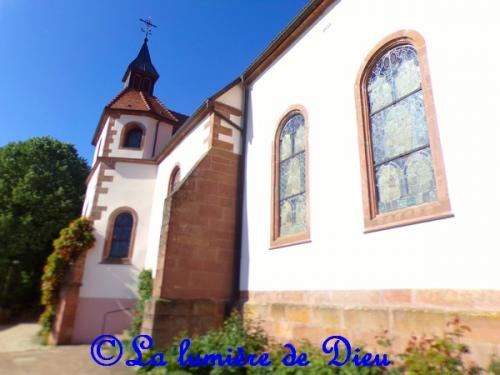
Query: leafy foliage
(72, 242)
(249, 335)
(494, 367)
(42, 184)
(444, 355)
(434, 355)
(145, 291)
(318, 363)
(236, 332)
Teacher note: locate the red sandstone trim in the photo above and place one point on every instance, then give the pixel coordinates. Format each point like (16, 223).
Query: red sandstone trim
(124, 134)
(440, 209)
(109, 234)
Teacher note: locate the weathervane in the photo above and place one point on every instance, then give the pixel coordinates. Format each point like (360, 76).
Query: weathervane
(148, 25)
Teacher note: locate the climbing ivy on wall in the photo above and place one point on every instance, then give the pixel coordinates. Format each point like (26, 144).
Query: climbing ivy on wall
(145, 290)
(73, 241)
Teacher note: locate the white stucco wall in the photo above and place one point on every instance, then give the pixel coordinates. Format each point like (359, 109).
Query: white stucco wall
(90, 193)
(232, 97)
(132, 186)
(185, 155)
(163, 137)
(319, 72)
(146, 152)
(99, 149)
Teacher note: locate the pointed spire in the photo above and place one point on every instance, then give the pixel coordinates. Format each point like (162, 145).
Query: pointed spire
(141, 74)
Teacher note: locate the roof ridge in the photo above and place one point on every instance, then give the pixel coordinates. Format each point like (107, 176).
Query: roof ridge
(164, 107)
(145, 100)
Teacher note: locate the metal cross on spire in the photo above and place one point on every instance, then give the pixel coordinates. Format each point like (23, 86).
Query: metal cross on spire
(148, 25)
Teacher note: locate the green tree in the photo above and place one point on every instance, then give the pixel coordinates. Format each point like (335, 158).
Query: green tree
(42, 185)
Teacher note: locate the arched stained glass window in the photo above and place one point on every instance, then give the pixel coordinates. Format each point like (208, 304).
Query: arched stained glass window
(401, 160)
(404, 175)
(290, 201)
(133, 137)
(122, 233)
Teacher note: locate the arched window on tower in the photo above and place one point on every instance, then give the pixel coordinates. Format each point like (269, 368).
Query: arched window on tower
(132, 137)
(120, 235)
(290, 218)
(175, 178)
(402, 166)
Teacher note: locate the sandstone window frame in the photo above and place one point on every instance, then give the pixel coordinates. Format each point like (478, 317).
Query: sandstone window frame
(126, 132)
(175, 178)
(106, 254)
(277, 240)
(439, 209)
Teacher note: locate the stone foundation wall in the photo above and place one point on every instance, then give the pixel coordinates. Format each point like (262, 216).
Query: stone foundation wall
(166, 319)
(195, 276)
(64, 321)
(361, 315)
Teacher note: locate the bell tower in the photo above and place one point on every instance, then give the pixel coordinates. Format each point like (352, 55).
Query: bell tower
(141, 73)
(134, 126)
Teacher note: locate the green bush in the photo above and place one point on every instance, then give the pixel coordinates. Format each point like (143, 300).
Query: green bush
(494, 367)
(444, 355)
(249, 335)
(235, 332)
(145, 290)
(318, 363)
(438, 355)
(42, 185)
(72, 242)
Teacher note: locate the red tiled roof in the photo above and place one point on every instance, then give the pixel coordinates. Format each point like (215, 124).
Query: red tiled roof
(135, 100)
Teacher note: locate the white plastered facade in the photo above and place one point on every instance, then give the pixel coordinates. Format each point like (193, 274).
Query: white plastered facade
(319, 71)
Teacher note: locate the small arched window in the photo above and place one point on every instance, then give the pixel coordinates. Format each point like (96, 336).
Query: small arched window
(175, 178)
(402, 166)
(121, 237)
(290, 206)
(133, 137)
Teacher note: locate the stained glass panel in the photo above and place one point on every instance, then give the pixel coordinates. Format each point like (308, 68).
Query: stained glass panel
(293, 215)
(292, 124)
(121, 235)
(406, 181)
(407, 75)
(380, 90)
(420, 175)
(299, 139)
(404, 174)
(395, 75)
(286, 146)
(399, 128)
(292, 177)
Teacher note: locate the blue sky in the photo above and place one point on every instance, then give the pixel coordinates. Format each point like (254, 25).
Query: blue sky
(62, 61)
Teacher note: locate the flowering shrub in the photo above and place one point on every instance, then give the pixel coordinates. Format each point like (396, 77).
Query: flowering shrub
(435, 355)
(73, 241)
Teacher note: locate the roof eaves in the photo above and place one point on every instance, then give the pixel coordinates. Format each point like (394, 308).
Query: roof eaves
(148, 106)
(293, 26)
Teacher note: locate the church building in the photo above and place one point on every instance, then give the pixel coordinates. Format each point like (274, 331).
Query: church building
(345, 183)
